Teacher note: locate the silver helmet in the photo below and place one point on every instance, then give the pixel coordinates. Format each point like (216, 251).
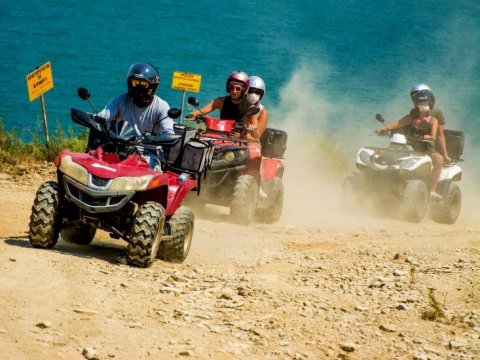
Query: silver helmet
(418, 87)
(257, 83)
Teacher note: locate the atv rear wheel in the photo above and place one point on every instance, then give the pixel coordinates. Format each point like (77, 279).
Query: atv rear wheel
(244, 200)
(43, 228)
(147, 230)
(448, 210)
(82, 234)
(181, 227)
(415, 201)
(274, 212)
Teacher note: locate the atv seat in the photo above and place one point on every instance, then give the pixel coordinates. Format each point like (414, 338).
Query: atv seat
(163, 140)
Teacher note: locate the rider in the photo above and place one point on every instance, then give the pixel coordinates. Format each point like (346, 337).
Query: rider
(435, 112)
(229, 106)
(256, 123)
(140, 106)
(426, 125)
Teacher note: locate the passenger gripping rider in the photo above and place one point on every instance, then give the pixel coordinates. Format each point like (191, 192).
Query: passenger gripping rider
(140, 106)
(255, 123)
(421, 123)
(435, 112)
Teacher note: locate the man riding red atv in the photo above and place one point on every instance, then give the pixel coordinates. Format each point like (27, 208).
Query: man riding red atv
(243, 175)
(113, 188)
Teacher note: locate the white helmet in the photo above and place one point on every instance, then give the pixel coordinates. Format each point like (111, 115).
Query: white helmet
(257, 83)
(419, 87)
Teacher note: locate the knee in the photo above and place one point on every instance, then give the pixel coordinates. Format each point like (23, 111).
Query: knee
(437, 159)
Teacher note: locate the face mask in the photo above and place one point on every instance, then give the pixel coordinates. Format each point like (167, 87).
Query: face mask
(253, 98)
(423, 108)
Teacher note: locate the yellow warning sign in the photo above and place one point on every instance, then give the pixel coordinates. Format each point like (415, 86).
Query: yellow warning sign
(186, 81)
(39, 81)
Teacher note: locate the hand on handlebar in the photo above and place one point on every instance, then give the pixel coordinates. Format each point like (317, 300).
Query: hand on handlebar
(194, 115)
(381, 130)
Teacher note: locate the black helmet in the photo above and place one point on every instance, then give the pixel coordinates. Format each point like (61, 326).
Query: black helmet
(424, 95)
(142, 82)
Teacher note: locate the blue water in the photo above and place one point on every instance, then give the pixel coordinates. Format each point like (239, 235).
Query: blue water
(341, 61)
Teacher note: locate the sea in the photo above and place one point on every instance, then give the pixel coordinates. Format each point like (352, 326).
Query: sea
(329, 65)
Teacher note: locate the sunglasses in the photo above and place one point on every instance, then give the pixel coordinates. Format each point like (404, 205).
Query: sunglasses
(139, 83)
(235, 87)
(255, 91)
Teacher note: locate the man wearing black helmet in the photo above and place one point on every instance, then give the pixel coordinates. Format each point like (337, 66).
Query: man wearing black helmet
(140, 106)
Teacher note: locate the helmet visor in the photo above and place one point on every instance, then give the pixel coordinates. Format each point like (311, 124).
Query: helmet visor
(136, 83)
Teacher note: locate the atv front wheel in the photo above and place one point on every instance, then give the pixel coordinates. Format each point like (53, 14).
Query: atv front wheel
(82, 234)
(43, 228)
(244, 200)
(448, 210)
(181, 227)
(415, 201)
(147, 230)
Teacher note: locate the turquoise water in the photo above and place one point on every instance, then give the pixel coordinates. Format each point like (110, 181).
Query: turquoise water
(341, 61)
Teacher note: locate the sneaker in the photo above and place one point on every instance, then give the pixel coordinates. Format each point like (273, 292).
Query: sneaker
(435, 196)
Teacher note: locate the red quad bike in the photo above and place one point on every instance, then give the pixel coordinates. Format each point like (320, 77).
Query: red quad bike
(113, 188)
(242, 175)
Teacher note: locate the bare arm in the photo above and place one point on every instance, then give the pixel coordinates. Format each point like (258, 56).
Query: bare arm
(434, 130)
(251, 123)
(262, 122)
(443, 142)
(213, 105)
(404, 121)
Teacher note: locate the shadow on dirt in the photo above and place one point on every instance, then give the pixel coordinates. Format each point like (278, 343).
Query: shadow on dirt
(98, 249)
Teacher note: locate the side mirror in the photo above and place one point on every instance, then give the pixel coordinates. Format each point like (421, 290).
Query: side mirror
(83, 93)
(380, 118)
(193, 101)
(174, 113)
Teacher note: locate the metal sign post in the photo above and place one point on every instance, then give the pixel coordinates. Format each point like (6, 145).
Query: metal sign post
(186, 82)
(38, 83)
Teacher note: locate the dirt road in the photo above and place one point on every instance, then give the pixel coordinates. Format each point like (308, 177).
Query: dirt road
(316, 285)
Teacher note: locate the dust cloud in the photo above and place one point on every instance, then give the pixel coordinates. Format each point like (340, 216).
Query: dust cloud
(320, 155)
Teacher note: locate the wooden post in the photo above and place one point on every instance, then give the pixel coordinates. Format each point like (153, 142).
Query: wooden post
(44, 113)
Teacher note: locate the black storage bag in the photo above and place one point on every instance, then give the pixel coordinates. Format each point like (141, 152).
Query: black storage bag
(274, 143)
(455, 141)
(173, 156)
(196, 156)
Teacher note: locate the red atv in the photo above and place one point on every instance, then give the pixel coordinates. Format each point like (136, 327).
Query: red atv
(114, 189)
(243, 175)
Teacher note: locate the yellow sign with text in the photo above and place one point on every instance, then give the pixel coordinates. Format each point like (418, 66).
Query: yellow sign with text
(186, 81)
(40, 81)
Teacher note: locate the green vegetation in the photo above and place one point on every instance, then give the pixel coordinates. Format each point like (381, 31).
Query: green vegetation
(435, 309)
(14, 151)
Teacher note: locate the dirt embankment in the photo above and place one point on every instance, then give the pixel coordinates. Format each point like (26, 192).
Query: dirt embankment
(319, 284)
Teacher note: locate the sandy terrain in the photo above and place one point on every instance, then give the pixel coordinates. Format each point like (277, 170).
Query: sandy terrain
(317, 285)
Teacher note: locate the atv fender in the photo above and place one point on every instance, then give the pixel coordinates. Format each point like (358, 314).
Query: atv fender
(271, 168)
(177, 192)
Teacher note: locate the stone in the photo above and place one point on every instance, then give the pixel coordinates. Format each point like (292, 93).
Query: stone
(348, 346)
(44, 324)
(90, 353)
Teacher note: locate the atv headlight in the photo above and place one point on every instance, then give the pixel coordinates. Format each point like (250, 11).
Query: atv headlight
(365, 156)
(229, 156)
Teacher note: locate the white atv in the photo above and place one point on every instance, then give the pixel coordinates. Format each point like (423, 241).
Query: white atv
(397, 179)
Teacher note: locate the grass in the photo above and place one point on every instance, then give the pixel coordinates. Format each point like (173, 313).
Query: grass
(435, 309)
(14, 151)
